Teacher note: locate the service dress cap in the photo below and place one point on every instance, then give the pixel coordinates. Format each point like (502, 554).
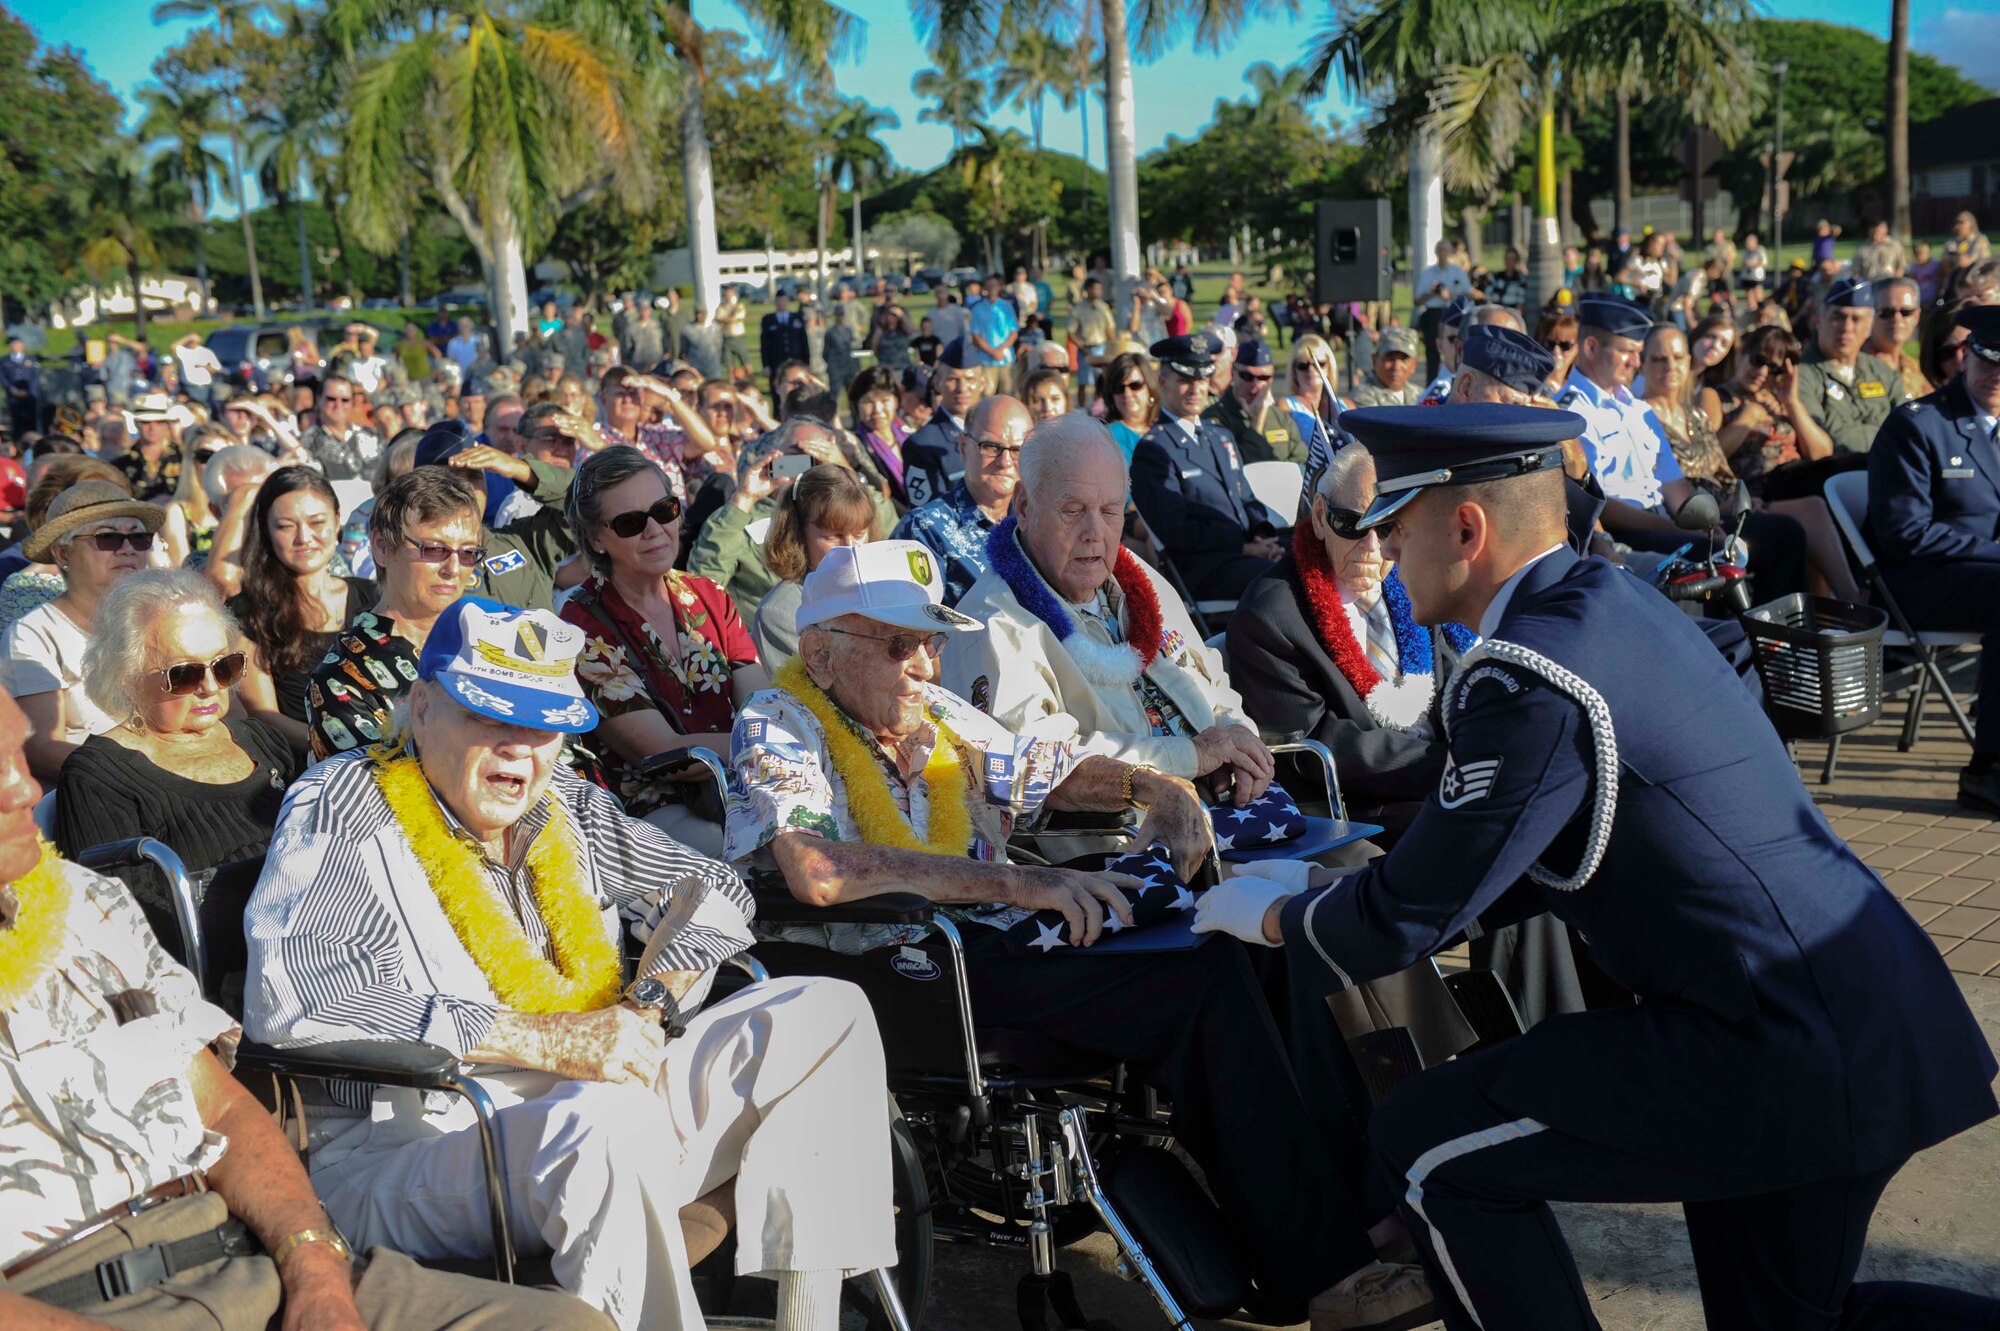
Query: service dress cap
(1417, 447)
(1982, 331)
(1191, 356)
(1849, 293)
(1515, 359)
(1615, 315)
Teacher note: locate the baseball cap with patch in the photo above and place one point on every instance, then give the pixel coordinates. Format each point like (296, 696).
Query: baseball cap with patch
(509, 664)
(891, 582)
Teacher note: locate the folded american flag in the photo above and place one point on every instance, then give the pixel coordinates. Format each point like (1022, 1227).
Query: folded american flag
(1271, 818)
(1159, 896)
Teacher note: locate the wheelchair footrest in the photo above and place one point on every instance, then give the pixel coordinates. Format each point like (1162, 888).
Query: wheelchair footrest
(1179, 1228)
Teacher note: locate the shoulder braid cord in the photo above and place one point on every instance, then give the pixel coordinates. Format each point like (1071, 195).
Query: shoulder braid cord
(1604, 741)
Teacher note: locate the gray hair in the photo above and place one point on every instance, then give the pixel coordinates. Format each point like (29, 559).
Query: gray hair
(598, 473)
(1054, 442)
(233, 466)
(1888, 284)
(115, 660)
(1342, 474)
(1498, 314)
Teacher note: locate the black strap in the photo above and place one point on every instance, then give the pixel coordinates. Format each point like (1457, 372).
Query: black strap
(143, 1268)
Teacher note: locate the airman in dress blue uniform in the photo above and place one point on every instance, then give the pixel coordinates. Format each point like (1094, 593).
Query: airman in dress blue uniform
(1798, 1036)
(1187, 480)
(931, 464)
(1934, 510)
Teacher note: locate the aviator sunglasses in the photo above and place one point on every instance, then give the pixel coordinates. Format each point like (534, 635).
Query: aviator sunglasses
(186, 677)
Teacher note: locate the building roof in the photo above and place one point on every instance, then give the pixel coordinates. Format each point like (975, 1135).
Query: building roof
(1958, 138)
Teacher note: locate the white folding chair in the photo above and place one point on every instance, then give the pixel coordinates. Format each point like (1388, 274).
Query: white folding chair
(1847, 498)
(1277, 485)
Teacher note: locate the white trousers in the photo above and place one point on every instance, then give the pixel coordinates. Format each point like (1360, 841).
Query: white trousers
(780, 1086)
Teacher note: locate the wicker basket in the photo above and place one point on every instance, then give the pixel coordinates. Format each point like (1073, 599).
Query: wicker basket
(1821, 664)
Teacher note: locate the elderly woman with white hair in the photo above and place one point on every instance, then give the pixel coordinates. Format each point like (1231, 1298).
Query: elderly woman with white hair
(181, 764)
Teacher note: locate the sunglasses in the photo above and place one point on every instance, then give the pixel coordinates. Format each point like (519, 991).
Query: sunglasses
(204, 454)
(436, 552)
(109, 541)
(186, 677)
(1133, 386)
(900, 646)
(1256, 378)
(1774, 366)
(1897, 311)
(665, 512)
(343, 397)
(1561, 346)
(1346, 524)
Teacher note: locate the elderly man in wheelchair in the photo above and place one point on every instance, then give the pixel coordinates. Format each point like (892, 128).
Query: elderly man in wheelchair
(856, 778)
(458, 885)
(141, 1186)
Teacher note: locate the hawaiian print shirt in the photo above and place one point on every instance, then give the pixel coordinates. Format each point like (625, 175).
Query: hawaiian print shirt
(99, 1107)
(348, 459)
(955, 529)
(357, 683)
(151, 480)
(690, 686)
(661, 441)
(782, 778)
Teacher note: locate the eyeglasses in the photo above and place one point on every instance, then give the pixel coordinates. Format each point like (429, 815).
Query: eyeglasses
(900, 646)
(109, 542)
(1569, 345)
(991, 450)
(437, 552)
(186, 677)
(665, 512)
(1346, 524)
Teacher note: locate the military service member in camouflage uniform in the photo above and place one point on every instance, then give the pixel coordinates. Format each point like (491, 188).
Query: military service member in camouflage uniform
(1846, 391)
(1388, 382)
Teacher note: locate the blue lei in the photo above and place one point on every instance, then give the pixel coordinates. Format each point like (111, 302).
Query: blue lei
(1413, 645)
(1004, 556)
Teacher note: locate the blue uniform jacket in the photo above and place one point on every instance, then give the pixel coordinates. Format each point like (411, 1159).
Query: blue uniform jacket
(1795, 1023)
(1193, 495)
(931, 465)
(1934, 482)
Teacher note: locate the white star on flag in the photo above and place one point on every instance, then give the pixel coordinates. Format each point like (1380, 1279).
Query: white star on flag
(1112, 924)
(1225, 841)
(1183, 900)
(1147, 883)
(1275, 832)
(1049, 937)
(1240, 815)
(1161, 865)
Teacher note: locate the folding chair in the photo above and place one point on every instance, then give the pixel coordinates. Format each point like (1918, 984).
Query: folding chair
(1279, 486)
(1847, 499)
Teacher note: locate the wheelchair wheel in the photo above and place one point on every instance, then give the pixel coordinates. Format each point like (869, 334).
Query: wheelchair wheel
(915, 1233)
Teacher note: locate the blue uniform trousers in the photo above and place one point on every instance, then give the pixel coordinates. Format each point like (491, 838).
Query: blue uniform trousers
(1476, 1181)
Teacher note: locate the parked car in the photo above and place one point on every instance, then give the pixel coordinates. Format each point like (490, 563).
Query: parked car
(961, 276)
(930, 277)
(253, 353)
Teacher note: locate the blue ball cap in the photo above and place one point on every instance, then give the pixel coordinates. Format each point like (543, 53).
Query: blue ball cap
(442, 441)
(509, 664)
(1417, 447)
(1515, 359)
(1252, 352)
(1458, 311)
(1982, 331)
(1849, 293)
(1615, 315)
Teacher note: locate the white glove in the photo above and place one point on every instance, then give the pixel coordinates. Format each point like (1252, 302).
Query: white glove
(1294, 876)
(1237, 907)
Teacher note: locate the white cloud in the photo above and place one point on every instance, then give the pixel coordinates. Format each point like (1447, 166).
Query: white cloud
(1966, 38)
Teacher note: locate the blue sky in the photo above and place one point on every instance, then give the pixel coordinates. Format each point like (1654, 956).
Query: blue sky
(1176, 94)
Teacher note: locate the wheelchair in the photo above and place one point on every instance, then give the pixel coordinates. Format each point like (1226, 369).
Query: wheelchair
(209, 941)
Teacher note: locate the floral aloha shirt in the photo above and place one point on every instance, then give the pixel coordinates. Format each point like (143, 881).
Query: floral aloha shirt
(782, 778)
(690, 687)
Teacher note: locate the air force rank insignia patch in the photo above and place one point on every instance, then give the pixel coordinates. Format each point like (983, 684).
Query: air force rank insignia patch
(1465, 782)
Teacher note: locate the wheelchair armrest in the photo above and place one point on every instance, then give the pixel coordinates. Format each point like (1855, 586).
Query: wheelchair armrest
(408, 1063)
(779, 906)
(113, 854)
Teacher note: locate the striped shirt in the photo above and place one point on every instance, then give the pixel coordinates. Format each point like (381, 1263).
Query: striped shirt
(348, 942)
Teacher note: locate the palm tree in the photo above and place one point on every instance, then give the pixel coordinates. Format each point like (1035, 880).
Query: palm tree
(958, 92)
(509, 121)
(178, 122)
(119, 205)
(229, 16)
(1279, 93)
(1466, 80)
(1032, 66)
(1899, 119)
(855, 153)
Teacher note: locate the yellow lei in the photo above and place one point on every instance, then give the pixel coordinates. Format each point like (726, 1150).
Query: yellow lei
(29, 948)
(869, 803)
(586, 974)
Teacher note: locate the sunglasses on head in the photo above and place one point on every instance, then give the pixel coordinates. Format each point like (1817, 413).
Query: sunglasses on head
(900, 646)
(633, 523)
(109, 541)
(436, 552)
(186, 677)
(1346, 524)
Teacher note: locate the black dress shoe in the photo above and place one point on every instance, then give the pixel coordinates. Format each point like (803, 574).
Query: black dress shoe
(1980, 791)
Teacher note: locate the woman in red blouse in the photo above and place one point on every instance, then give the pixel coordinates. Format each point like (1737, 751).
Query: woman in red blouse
(667, 661)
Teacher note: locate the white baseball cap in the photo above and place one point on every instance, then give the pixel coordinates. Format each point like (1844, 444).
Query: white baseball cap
(891, 582)
(509, 664)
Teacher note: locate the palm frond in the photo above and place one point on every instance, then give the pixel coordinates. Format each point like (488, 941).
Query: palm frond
(1478, 111)
(385, 101)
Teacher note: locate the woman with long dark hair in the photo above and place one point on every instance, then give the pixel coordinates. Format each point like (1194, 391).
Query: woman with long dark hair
(292, 605)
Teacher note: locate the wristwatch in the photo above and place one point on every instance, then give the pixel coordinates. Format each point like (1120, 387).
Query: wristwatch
(652, 992)
(1131, 771)
(294, 1241)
